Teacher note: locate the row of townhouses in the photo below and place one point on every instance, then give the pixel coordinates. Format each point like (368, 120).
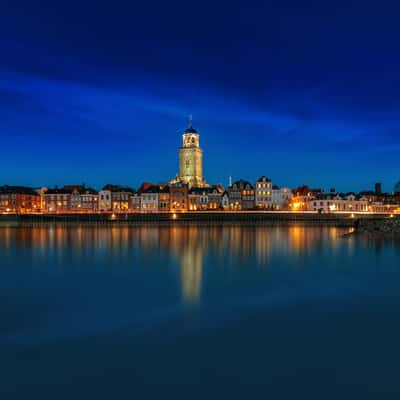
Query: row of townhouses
(306, 199)
(178, 197)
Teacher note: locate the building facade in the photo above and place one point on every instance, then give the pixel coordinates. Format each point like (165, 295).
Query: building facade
(19, 199)
(225, 203)
(115, 198)
(70, 198)
(263, 193)
(105, 202)
(82, 199)
(135, 202)
(334, 202)
(179, 196)
(241, 195)
(215, 197)
(301, 197)
(150, 199)
(164, 200)
(57, 200)
(281, 198)
(194, 199)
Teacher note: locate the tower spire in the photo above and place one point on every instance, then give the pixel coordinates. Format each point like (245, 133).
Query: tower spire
(190, 120)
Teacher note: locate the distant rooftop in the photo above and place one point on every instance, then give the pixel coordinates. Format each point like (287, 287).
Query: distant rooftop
(118, 188)
(17, 190)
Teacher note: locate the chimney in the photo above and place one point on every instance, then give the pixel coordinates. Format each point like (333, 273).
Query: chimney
(378, 188)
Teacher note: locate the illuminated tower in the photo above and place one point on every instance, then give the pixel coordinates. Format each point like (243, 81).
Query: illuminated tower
(191, 158)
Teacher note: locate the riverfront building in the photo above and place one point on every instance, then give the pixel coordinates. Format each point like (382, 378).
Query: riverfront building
(241, 195)
(179, 196)
(280, 198)
(16, 199)
(263, 193)
(334, 202)
(70, 198)
(205, 198)
(115, 198)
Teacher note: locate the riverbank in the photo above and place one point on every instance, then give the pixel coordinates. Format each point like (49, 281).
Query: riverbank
(192, 218)
(378, 228)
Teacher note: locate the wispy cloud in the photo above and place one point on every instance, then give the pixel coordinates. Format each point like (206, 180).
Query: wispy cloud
(116, 109)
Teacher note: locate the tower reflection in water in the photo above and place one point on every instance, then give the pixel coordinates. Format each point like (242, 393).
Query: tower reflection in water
(189, 246)
(194, 249)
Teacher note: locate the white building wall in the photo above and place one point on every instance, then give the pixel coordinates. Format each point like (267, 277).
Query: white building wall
(149, 202)
(135, 202)
(280, 198)
(339, 205)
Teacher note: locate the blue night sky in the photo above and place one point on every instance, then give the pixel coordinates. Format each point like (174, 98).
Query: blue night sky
(305, 92)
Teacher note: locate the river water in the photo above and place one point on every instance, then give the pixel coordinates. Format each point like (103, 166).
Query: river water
(198, 312)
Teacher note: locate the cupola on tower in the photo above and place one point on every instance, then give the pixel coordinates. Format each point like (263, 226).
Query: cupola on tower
(191, 158)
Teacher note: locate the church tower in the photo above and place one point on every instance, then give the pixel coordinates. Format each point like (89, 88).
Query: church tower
(191, 158)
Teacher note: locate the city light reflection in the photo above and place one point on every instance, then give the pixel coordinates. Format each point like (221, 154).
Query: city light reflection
(186, 246)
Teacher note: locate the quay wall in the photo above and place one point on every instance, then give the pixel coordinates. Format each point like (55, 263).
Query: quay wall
(190, 218)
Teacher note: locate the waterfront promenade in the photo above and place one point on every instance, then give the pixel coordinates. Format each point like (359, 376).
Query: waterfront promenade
(192, 218)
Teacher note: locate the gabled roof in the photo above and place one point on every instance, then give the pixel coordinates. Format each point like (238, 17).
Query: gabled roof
(305, 190)
(88, 191)
(218, 187)
(58, 191)
(327, 196)
(153, 189)
(263, 179)
(144, 186)
(18, 190)
(71, 189)
(147, 187)
(202, 190)
(241, 183)
(118, 188)
(74, 187)
(80, 189)
(337, 196)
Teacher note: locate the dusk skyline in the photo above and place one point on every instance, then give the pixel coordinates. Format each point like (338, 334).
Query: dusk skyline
(305, 95)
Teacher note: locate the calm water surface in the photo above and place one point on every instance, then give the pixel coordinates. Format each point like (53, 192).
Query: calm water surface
(187, 312)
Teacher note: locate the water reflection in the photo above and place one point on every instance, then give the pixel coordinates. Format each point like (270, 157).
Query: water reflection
(192, 249)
